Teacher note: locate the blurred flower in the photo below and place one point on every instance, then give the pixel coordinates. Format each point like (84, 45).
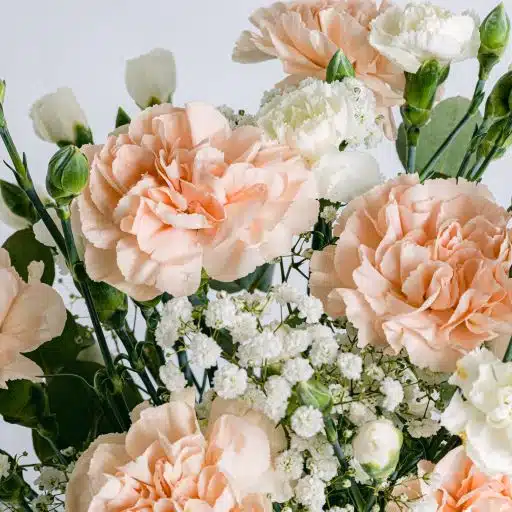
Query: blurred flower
(151, 78)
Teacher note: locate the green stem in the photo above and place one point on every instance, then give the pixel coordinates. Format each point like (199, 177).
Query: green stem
(508, 354)
(413, 133)
(473, 172)
(81, 279)
(130, 344)
(478, 96)
(55, 450)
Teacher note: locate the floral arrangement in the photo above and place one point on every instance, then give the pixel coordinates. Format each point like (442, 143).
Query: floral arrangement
(270, 324)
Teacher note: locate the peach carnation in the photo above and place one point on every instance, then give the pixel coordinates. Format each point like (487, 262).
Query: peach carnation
(305, 35)
(181, 191)
(30, 314)
(455, 485)
(165, 463)
(422, 267)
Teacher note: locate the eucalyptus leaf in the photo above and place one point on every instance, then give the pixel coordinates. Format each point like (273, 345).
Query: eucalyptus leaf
(445, 116)
(260, 279)
(23, 248)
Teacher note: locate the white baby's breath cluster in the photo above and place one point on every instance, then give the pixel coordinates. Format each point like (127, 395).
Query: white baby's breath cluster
(237, 118)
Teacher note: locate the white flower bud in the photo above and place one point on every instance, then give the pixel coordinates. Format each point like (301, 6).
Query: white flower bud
(58, 118)
(377, 448)
(151, 78)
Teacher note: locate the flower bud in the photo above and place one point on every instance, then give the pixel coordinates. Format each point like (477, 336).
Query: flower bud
(494, 37)
(499, 133)
(499, 103)
(68, 172)
(58, 118)
(420, 91)
(315, 394)
(377, 448)
(16, 210)
(111, 304)
(339, 68)
(2, 91)
(151, 78)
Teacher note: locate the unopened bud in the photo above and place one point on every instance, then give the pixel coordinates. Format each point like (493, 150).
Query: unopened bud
(494, 37)
(315, 394)
(111, 304)
(500, 133)
(339, 68)
(68, 172)
(499, 103)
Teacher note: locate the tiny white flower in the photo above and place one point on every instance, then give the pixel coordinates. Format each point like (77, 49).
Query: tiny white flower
(350, 365)
(325, 468)
(423, 428)
(418, 32)
(361, 413)
(237, 119)
(56, 117)
(291, 463)
(151, 78)
(310, 308)
(50, 478)
(220, 313)
(286, 294)
(324, 348)
(297, 370)
(277, 391)
(310, 492)
(230, 381)
(329, 214)
(307, 421)
(393, 393)
(245, 326)
(5, 466)
(264, 347)
(295, 342)
(172, 377)
(204, 351)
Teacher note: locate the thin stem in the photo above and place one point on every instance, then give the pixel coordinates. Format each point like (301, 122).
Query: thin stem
(508, 354)
(130, 343)
(478, 96)
(55, 450)
(412, 135)
(475, 169)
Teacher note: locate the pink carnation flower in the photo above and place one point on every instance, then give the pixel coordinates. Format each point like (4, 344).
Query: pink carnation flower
(30, 314)
(422, 267)
(165, 463)
(182, 191)
(305, 35)
(456, 485)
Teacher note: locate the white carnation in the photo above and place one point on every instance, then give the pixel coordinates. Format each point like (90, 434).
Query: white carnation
(204, 351)
(350, 365)
(344, 175)
(419, 32)
(307, 421)
(316, 117)
(230, 381)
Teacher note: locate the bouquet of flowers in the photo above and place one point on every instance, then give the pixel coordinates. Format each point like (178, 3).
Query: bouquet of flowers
(270, 324)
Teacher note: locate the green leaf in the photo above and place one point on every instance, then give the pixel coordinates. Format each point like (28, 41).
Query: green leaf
(23, 248)
(445, 116)
(260, 279)
(24, 403)
(63, 351)
(17, 201)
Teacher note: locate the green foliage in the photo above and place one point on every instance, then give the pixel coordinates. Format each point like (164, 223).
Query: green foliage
(122, 118)
(445, 116)
(260, 279)
(17, 201)
(23, 248)
(339, 68)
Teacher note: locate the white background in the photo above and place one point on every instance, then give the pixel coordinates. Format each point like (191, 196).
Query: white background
(51, 43)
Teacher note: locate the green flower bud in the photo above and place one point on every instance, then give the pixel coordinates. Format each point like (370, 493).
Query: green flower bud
(111, 304)
(494, 36)
(420, 91)
(2, 91)
(339, 68)
(499, 132)
(377, 448)
(499, 103)
(68, 172)
(315, 394)
(16, 210)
